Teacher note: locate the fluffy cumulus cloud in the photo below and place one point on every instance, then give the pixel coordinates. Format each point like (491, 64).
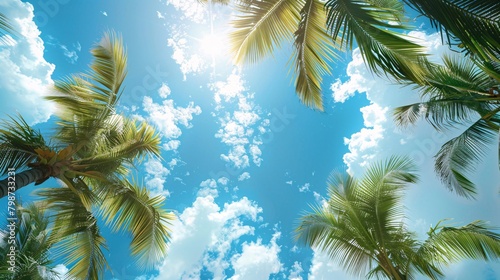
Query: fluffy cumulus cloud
(257, 261)
(323, 268)
(380, 138)
(205, 233)
(156, 175)
(167, 117)
(25, 76)
(241, 129)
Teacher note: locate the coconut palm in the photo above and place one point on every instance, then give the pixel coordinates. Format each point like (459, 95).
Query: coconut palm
(461, 93)
(32, 259)
(90, 153)
(362, 228)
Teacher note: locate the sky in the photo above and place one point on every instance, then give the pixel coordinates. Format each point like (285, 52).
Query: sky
(242, 158)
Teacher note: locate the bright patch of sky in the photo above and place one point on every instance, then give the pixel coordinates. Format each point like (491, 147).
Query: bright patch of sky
(241, 157)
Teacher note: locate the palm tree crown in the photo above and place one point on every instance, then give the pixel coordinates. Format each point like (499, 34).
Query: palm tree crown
(91, 153)
(362, 228)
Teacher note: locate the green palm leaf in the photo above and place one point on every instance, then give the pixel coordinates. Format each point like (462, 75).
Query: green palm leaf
(472, 241)
(475, 24)
(369, 23)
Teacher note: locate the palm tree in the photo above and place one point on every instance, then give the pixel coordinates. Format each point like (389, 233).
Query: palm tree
(362, 228)
(91, 152)
(32, 259)
(461, 92)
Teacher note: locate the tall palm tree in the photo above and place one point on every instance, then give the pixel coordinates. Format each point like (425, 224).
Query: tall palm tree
(32, 259)
(362, 228)
(91, 152)
(462, 92)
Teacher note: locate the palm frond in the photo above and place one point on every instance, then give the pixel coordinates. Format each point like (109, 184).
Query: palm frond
(313, 53)
(383, 50)
(89, 99)
(76, 232)
(322, 230)
(475, 24)
(262, 26)
(475, 241)
(6, 30)
(18, 142)
(459, 155)
(129, 207)
(122, 142)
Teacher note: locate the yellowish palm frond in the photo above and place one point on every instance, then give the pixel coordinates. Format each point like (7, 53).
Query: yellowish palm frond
(262, 26)
(313, 53)
(129, 207)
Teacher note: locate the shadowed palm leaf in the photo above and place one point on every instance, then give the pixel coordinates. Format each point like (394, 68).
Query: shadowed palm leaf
(362, 228)
(458, 94)
(474, 24)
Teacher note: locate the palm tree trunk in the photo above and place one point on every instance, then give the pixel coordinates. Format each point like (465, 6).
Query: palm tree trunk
(21, 180)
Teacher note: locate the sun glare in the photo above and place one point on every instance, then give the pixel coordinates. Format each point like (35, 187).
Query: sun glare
(213, 44)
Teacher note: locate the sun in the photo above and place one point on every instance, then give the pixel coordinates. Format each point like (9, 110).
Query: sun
(214, 44)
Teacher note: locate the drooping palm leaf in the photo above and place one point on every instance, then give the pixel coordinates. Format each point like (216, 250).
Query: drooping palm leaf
(475, 24)
(6, 30)
(128, 207)
(475, 241)
(263, 26)
(313, 53)
(459, 155)
(369, 23)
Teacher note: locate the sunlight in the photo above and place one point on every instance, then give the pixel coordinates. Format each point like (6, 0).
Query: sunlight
(213, 44)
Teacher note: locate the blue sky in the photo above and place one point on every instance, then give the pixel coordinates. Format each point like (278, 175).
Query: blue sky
(242, 158)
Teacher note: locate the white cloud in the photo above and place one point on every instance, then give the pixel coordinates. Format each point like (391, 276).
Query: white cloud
(257, 261)
(104, 13)
(241, 129)
(164, 91)
(61, 269)
(167, 118)
(189, 60)
(295, 271)
(289, 182)
(323, 268)
(156, 175)
(159, 14)
(203, 234)
(71, 53)
(25, 76)
(305, 187)
(244, 176)
(191, 9)
(223, 180)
